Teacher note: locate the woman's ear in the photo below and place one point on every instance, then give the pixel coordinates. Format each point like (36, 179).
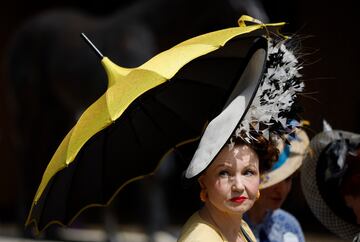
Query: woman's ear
(201, 181)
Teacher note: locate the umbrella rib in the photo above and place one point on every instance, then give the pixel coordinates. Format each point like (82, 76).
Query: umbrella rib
(171, 111)
(175, 114)
(142, 106)
(132, 126)
(49, 187)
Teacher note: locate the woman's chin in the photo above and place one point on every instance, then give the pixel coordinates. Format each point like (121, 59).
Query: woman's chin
(240, 209)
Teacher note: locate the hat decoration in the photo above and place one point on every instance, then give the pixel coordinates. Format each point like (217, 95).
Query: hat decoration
(268, 113)
(271, 108)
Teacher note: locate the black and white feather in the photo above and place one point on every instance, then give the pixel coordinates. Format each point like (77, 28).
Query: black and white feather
(271, 110)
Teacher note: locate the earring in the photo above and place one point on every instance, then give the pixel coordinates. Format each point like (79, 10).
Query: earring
(258, 195)
(203, 195)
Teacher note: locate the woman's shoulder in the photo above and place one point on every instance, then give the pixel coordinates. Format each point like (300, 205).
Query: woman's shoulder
(197, 229)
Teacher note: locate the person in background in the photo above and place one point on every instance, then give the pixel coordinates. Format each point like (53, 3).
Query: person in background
(266, 219)
(330, 179)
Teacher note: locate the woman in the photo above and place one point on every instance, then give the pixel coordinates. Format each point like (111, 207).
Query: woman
(229, 187)
(239, 144)
(267, 220)
(330, 179)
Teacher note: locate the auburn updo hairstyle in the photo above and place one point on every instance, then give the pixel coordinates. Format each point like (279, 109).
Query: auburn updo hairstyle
(265, 149)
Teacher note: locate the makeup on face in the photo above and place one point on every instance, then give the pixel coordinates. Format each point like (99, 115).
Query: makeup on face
(232, 180)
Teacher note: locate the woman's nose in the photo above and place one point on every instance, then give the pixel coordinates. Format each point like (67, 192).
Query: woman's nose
(237, 184)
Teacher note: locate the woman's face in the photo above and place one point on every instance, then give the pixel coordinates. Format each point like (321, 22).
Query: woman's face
(273, 197)
(232, 180)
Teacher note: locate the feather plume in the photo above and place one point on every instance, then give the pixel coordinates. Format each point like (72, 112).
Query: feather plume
(271, 110)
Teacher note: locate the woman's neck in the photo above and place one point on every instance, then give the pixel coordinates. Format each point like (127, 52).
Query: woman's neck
(228, 224)
(256, 214)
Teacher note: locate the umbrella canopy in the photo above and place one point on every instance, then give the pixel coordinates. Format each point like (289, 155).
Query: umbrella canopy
(145, 113)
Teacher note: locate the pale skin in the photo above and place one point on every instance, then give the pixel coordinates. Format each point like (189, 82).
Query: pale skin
(231, 183)
(271, 198)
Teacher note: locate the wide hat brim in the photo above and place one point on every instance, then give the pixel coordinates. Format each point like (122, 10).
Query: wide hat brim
(219, 130)
(310, 187)
(297, 151)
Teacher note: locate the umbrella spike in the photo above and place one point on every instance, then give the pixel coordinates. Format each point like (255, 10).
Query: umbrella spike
(98, 53)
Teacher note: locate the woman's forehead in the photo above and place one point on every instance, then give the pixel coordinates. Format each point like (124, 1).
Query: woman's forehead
(243, 153)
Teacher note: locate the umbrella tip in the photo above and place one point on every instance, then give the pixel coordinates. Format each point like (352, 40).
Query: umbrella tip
(98, 53)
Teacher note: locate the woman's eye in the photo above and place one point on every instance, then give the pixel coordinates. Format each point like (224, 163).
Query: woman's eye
(224, 173)
(249, 172)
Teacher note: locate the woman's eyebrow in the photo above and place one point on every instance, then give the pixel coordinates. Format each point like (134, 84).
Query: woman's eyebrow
(226, 164)
(250, 165)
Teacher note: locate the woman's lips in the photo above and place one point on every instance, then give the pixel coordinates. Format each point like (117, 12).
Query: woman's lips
(240, 199)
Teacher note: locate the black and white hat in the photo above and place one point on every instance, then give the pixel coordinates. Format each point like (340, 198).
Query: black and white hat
(321, 175)
(264, 105)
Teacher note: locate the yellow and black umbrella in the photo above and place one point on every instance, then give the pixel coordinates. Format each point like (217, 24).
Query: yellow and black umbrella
(145, 113)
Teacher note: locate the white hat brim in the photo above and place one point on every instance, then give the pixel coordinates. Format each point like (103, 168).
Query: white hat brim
(220, 128)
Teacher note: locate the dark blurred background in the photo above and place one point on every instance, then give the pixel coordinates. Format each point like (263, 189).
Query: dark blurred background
(49, 75)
